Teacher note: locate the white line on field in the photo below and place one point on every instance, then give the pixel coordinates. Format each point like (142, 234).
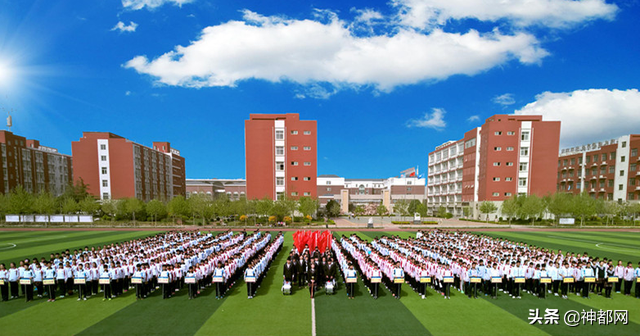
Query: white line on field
(313, 317)
(7, 248)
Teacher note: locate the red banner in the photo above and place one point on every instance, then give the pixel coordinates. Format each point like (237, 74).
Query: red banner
(314, 239)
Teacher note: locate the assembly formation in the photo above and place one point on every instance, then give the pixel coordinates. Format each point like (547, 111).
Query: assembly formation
(436, 259)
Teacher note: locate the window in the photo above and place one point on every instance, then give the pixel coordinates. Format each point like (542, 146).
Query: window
(588, 159)
(103, 147)
(522, 182)
(509, 149)
(524, 136)
(294, 163)
(612, 170)
(328, 189)
(632, 167)
(294, 132)
(496, 164)
(307, 163)
(328, 182)
(498, 133)
(307, 132)
(294, 178)
(507, 194)
(279, 150)
(408, 182)
(604, 157)
(580, 160)
(634, 152)
(294, 193)
(103, 158)
(509, 164)
(622, 173)
(294, 147)
(470, 143)
(307, 178)
(622, 159)
(279, 135)
(105, 196)
(307, 148)
(620, 186)
(578, 186)
(279, 166)
(408, 188)
(524, 151)
(523, 166)
(624, 144)
(497, 149)
(612, 156)
(495, 194)
(104, 170)
(511, 133)
(279, 181)
(573, 161)
(601, 183)
(595, 158)
(508, 179)
(105, 183)
(306, 193)
(496, 179)
(632, 181)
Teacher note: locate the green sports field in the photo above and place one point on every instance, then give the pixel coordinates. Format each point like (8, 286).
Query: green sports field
(271, 313)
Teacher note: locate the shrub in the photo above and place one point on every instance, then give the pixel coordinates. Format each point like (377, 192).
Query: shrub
(287, 219)
(272, 219)
(243, 218)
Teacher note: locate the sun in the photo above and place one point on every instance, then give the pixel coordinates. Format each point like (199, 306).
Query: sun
(5, 74)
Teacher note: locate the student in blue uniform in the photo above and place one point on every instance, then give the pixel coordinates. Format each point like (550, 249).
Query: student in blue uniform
(50, 274)
(351, 274)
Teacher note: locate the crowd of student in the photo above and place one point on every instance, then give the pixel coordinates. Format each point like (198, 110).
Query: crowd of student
(472, 263)
(257, 269)
(167, 260)
(310, 268)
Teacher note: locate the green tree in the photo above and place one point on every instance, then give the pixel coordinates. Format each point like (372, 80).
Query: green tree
(401, 207)
(422, 209)
(222, 206)
(609, 209)
(44, 203)
(308, 206)
(487, 208)
(442, 212)
(20, 201)
(89, 205)
(413, 206)
(133, 206)
(333, 208)
(178, 207)
(381, 210)
(110, 208)
(199, 203)
(510, 207)
(77, 191)
(69, 206)
(559, 204)
(263, 207)
(466, 211)
(583, 206)
(359, 210)
(156, 209)
(532, 208)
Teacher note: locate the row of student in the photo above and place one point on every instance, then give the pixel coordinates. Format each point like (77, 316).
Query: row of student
(257, 269)
(371, 275)
(312, 269)
(186, 249)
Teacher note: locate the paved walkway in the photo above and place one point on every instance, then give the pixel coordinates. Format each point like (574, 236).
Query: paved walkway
(385, 223)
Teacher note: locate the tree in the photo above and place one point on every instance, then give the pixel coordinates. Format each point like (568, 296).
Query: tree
(609, 209)
(199, 204)
(308, 206)
(634, 211)
(279, 209)
(559, 204)
(133, 206)
(110, 207)
(44, 203)
(381, 210)
(510, 208)
(263, 206)
(69, 206)
(20, 201)
(77, 191)
(178, 207)
(583, 206)
(466, 211)
(89, 205)
(156, 209)
(401, 207)
(413, 206)
(333, 208)
(359, 210)
(487, 208)
(532, 208)
(442, 212)
(422, 209)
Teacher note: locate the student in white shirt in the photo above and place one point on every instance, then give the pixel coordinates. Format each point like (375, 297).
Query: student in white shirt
(398, 273)
(28, 289)
(81, 274)
(37, 278)
(4, 288)
(13, 277)
(636, 273)
(629, 276)
(50, 274)
(351, 274)
(219, 272)
(106, 288)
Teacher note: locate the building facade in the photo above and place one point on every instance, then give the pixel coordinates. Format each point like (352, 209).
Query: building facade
(235, 189)
(281, 156)
(369, 191)
(605, 169)
(114, 167)
(508, 155)
(37, 168)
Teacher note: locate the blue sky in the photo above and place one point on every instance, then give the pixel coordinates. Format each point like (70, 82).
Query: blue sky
(386, 80)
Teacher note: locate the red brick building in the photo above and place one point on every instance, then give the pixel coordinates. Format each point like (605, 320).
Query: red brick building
(37, 168)
(605, 169)
(281, 156)
(508, 155)
(114, 167)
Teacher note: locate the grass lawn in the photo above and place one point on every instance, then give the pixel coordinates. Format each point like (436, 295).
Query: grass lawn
(271, 313)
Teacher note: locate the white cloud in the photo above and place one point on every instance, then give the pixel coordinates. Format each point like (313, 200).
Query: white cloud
(434, 120)
(151, 4)
(425, 14)
(276, 49)
(589, 115)
(504, 99)
(127, 93)
(122, 27)
(473, 118)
